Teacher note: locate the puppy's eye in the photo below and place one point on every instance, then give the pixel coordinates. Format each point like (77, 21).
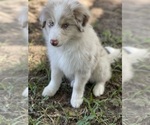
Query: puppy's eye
(50, 24)
(65, 26)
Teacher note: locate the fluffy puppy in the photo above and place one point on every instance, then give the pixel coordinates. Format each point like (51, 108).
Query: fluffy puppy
(130, 56)
(74, 49)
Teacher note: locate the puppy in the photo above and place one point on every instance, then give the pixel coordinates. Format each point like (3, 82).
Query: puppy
(130, 56)
(23, 20)
(74, 49)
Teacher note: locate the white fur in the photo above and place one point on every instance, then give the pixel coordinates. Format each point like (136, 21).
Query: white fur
(130, 56)
(79, 56)
(58, 11)
(114, 53)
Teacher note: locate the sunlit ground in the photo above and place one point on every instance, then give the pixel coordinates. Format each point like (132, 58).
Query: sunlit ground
(13, 66)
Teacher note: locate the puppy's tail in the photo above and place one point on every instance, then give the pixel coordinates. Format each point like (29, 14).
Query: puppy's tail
(136, 54)
(114, 54)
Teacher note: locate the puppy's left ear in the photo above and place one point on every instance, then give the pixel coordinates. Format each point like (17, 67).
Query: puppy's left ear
(81, 15)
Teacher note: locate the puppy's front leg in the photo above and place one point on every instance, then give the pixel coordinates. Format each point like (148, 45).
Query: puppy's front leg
(54, 84)
(78, 89)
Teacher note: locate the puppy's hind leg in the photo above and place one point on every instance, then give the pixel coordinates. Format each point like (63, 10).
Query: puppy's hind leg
(99, 89)
(101, 77)
(54, 84)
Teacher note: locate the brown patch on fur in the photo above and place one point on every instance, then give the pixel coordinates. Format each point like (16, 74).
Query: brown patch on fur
(85, 20)
(81, 15)
(66, 19)
(44, 23)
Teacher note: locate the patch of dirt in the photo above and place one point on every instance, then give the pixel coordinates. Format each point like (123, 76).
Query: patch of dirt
(37, 55)
(10, 30)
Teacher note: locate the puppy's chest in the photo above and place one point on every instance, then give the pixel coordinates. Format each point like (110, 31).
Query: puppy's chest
(71, 62)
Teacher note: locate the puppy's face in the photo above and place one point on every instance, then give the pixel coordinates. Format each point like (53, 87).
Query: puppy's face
(63, 21)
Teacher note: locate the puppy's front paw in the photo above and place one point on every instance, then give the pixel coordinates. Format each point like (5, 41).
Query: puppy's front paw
(98, 89)
(48, 91)
(76, 102)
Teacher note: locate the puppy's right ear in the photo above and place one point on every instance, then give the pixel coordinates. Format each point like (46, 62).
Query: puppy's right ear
(81, 15)
(43, 17)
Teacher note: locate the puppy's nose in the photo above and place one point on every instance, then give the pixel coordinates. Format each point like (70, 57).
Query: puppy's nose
(54, 42)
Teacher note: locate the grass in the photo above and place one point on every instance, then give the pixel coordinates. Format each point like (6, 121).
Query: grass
(57, 110)
(13, 106)
(13, 80)
(132, 39)
(136, 92)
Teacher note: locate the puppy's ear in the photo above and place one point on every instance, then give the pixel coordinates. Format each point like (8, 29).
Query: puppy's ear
(81, 15)
(43, 17)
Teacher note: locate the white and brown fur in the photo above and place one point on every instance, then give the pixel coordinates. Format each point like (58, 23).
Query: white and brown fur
(78, 54)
